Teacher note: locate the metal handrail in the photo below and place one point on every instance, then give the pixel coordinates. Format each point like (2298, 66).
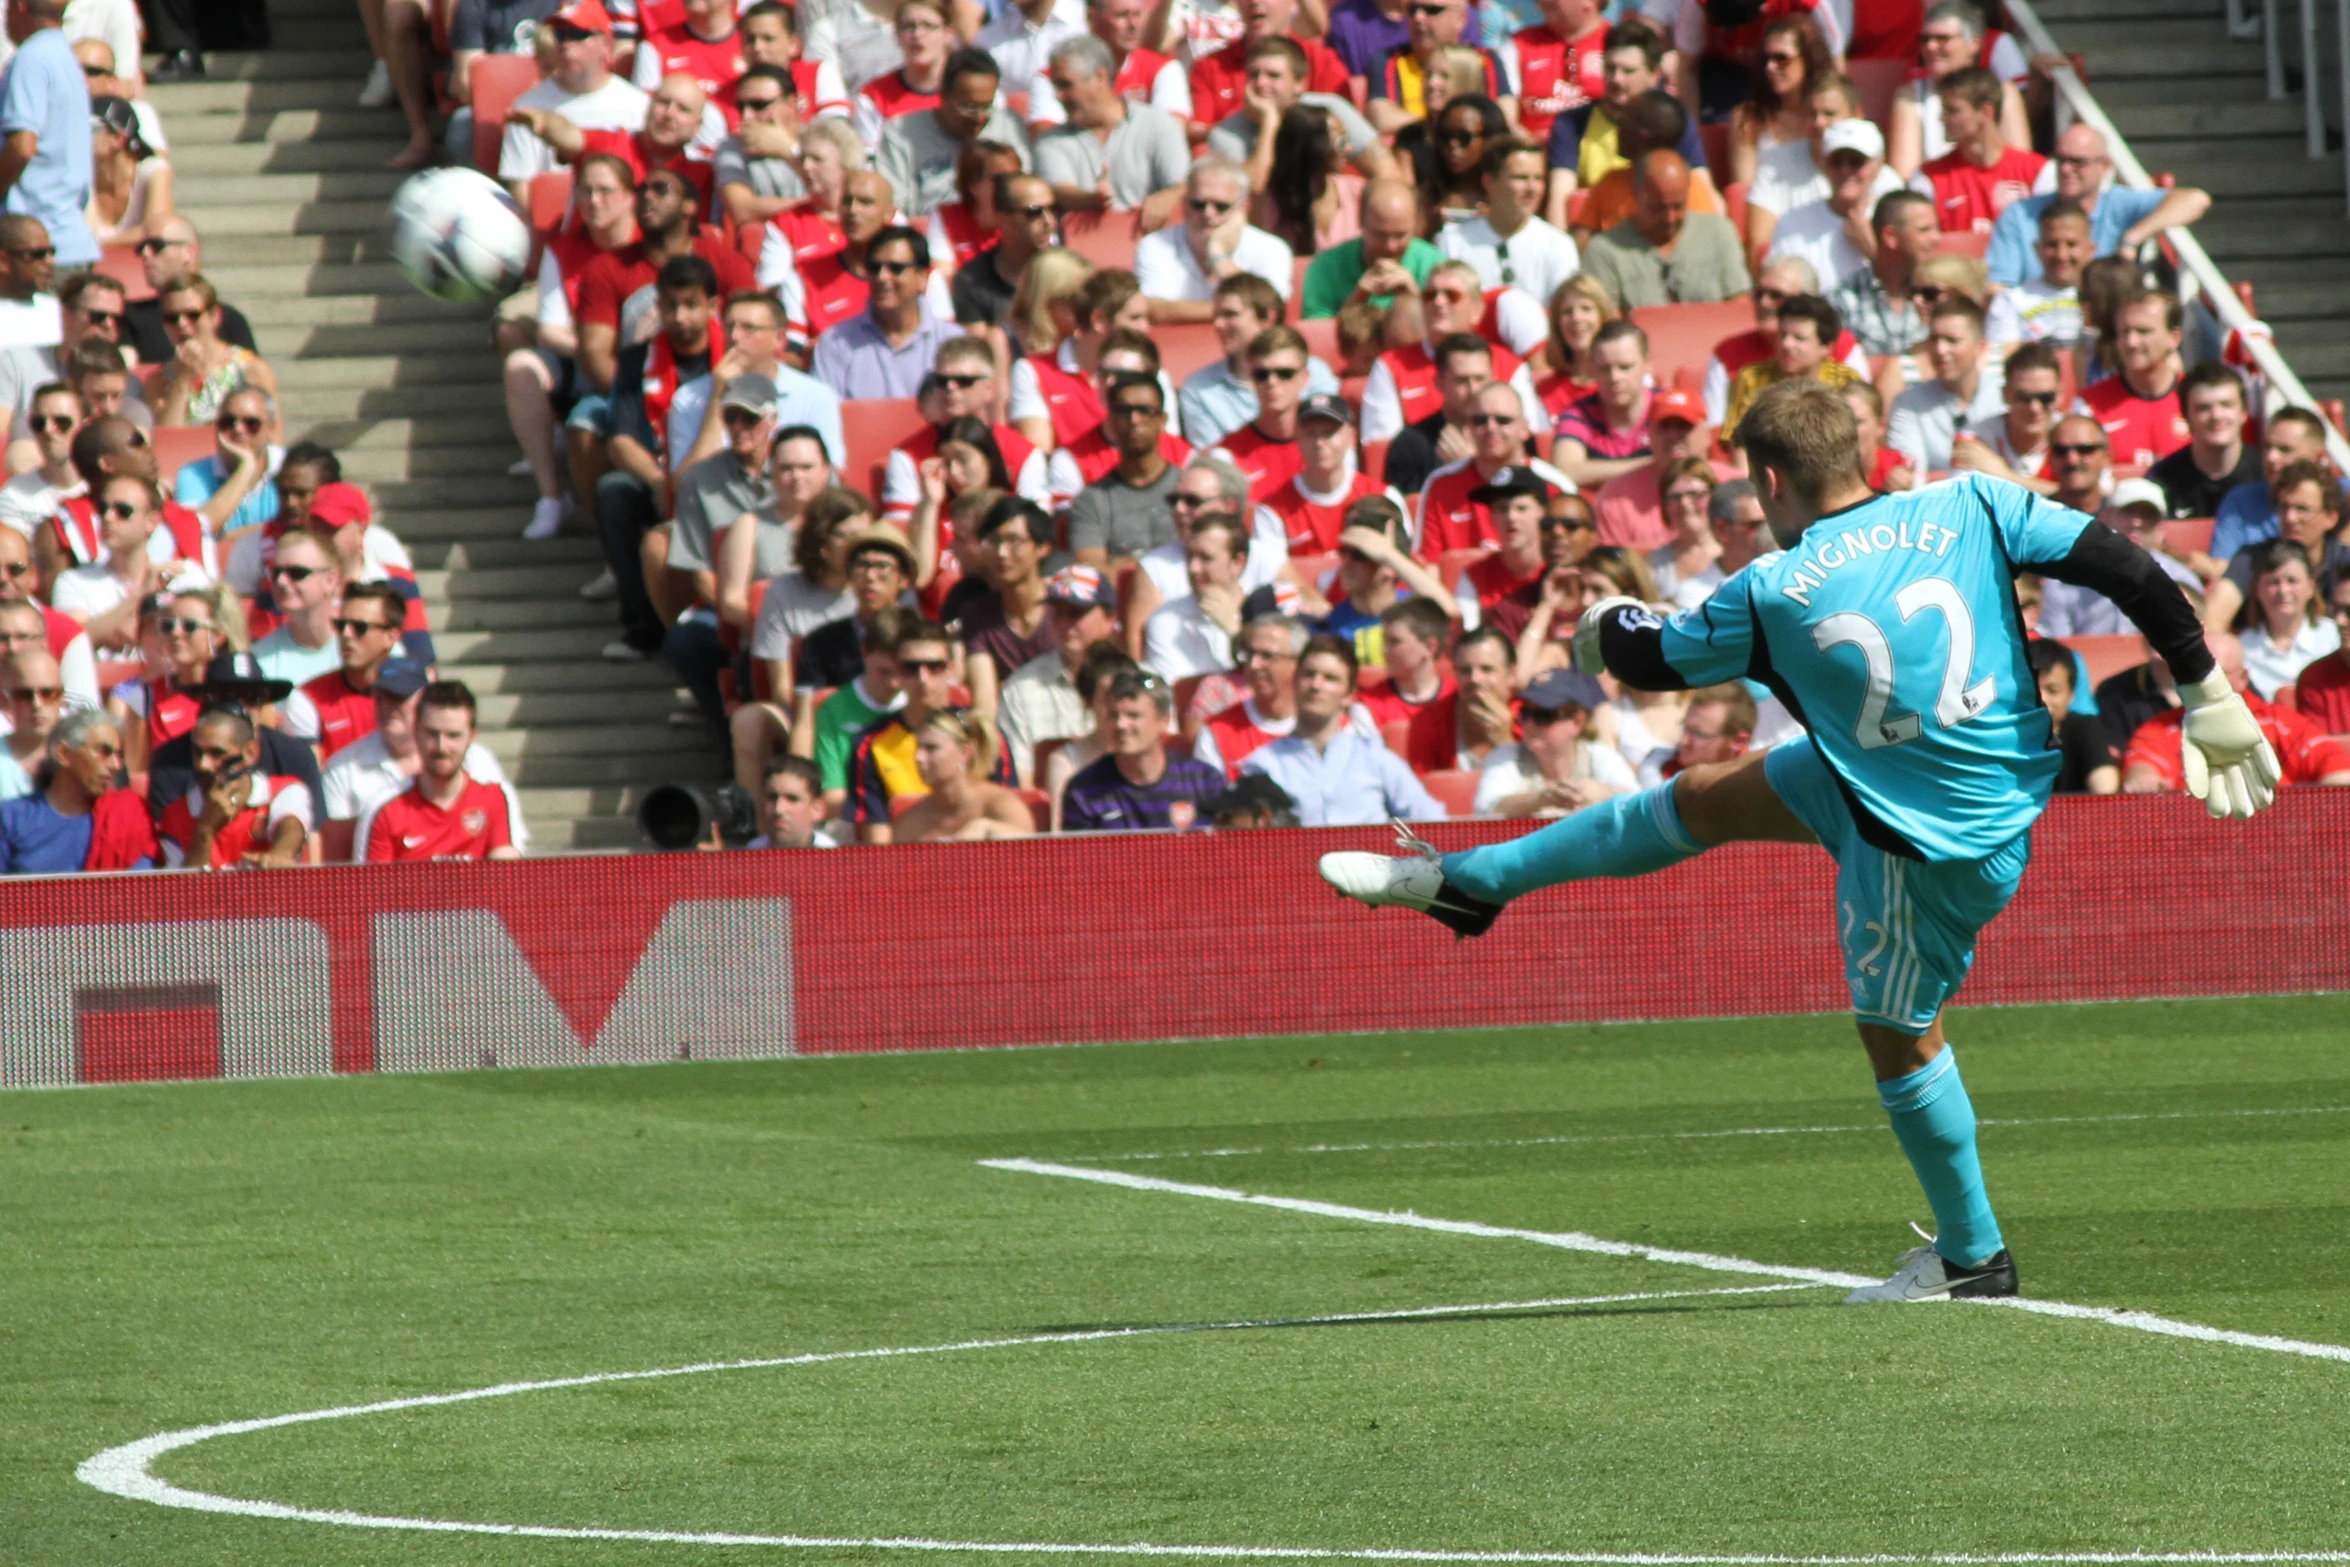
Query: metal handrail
(2283, 385)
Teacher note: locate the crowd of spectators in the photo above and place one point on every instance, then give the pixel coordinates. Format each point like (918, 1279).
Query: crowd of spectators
(1327, 576)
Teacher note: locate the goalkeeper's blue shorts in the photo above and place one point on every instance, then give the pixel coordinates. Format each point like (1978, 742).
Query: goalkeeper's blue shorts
(1908, 927)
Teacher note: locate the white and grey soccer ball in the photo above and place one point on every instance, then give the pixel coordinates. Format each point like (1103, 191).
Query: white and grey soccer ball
(459, 236)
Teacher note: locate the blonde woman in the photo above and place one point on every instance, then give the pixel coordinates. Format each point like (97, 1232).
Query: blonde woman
(205, 368)
(955, 751)
(1568, 368)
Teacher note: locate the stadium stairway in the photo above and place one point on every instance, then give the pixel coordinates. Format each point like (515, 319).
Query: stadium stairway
(2194, 102)
(284, 178)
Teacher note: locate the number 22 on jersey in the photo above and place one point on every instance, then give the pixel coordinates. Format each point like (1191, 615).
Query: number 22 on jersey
(1955, 703)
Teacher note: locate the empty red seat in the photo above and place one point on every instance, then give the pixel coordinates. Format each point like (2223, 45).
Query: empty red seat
(1682, 337)
(497, 80)
(1455, 790)
(2108, 656)
(873, 427)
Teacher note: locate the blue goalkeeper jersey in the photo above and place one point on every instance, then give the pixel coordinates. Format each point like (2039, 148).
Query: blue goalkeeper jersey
(1892, 632)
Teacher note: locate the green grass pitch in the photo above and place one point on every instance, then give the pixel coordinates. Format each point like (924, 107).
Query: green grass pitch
(181, 1255)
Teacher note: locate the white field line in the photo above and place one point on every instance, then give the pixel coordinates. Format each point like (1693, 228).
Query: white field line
(2142, 1321)
(1734, 1131)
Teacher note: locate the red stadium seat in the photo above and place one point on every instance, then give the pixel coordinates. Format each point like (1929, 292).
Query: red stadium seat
(1455, 790)
(498, 79)
(2108, 656)
(1734, 205)
(1971, 246)
(337, 839)
(550, 199)
(1040, 806)
(1183, 349)
(1105, 239)
(1297, 280)
(2190, 533)
(1311, 568)
(177, 445)
(1375, 460)
(873, 426)
(1715, 140)
(121, 263)
(1321, 339)
(1452, 563)
(1683, 336)
(1396, 734)
(1879, 82)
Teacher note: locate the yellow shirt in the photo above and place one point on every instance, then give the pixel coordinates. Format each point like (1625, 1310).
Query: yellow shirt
(1748, 384)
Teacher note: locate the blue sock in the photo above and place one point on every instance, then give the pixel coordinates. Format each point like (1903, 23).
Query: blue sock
(1629, 835)
(1935, 1122)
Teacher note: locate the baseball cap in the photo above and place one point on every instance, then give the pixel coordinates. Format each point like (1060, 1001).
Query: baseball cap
(589, 16)
(338, 504)
(1274, 598)
(1326, 405)
(2139, 492)
(1081, 587)
(1557, 688)
(1861, 136)
(1507, 482)
(400, 678)
(1677, 402)
(752, 393)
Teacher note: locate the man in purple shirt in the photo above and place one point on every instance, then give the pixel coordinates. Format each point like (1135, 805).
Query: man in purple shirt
(1138, 785)
(1365, 32)
(886, 350)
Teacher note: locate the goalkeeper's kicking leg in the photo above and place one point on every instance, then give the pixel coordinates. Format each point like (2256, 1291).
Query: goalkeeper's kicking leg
(1909, 938)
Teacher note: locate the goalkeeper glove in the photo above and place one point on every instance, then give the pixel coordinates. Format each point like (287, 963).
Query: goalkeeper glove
(2228, 762)
(1587, 655)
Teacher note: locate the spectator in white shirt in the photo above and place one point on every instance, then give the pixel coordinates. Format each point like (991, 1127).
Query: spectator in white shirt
(1837, 235)
(1553, 770)
(582, 90)
(2047, 309)
(1180, 265)
(1209, 486)
(1193, 635)
(27, 500)
(1508, 244)
(105, 594)
(1924, 420)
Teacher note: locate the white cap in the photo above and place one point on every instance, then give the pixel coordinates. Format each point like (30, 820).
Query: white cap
(2139, 492)
(1861, 136)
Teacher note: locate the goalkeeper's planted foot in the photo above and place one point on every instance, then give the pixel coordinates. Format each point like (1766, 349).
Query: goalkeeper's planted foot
(1414, 880)
(1925, 1274)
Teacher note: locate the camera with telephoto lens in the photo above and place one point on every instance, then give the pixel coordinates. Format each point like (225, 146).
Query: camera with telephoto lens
(680, 816)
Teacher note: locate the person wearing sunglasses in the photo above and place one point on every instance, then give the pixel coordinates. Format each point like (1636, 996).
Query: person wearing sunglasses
(130, 185)
(233, 489)
(179, 635)
(105, 595)
(887, 349)
(2014, 446)
(1398, 86)
(2120, 219)
(1023, 220)
(32, 695)
(1112, 155)
(305, 587)
(886, 767)
(205, 368)
(824, 291)
(1180, 265)
(757, 168)
(29, 314)
(1407, 388)
(171, 251)
(29, 500)
(1884, 303)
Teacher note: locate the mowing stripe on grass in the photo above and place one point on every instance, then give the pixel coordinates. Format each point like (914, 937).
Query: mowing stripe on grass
(2142, 1321)
(1733, 1131)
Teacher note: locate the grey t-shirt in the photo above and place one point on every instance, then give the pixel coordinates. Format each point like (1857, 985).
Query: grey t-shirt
(765, 176)
(710, 495)
(1112, 515)
(1708, 264)
(919, 158)
(498, 26)
(1235, 135)
(794, 607)
(1147, 153)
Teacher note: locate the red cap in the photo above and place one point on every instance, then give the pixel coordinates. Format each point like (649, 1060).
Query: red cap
(1676, 403)
(336, 505)
(589, 16)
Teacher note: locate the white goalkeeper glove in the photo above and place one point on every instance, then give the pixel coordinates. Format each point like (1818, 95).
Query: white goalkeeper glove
(1587, 658)
(2228, 762)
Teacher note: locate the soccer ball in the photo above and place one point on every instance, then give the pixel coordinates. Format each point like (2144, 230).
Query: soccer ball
(459, 236)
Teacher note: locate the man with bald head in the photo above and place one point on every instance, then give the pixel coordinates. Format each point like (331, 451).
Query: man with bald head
(171, 251)
(1388, 260)
(29, 317)
(1664, 254)
(2120, 219)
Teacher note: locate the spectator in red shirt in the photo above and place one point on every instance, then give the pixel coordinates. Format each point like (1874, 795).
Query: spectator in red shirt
(2305, 753)
(1887, 472)
(2323, 694)
(235, 816)
(621, 282)
(335, 709)
(924, 41)
(1414, 633)
(1464, 726)
(1605, 435)
(1311, 508)
(1267, 652)
(2138, 407)
(1265, 448)
(32, 696)
(446, 814)
(672, 120)
(1219, 81)
(1452, 514)
(1519, 503)
(1981, 174)
(1559, 65)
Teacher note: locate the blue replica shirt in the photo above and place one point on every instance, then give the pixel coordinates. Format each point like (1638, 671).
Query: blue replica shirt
(1891, 631)
(2013, 254)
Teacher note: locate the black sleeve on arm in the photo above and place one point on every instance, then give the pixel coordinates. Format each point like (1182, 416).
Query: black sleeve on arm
(2105, 562)
(1632, 644)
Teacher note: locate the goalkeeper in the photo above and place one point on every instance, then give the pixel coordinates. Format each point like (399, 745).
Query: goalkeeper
(1888, 625)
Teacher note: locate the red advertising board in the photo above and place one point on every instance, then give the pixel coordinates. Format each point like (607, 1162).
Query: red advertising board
(1044, 941)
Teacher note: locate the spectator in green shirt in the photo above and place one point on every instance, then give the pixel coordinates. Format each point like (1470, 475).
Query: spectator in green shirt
(1388, 259)
(846, 713)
